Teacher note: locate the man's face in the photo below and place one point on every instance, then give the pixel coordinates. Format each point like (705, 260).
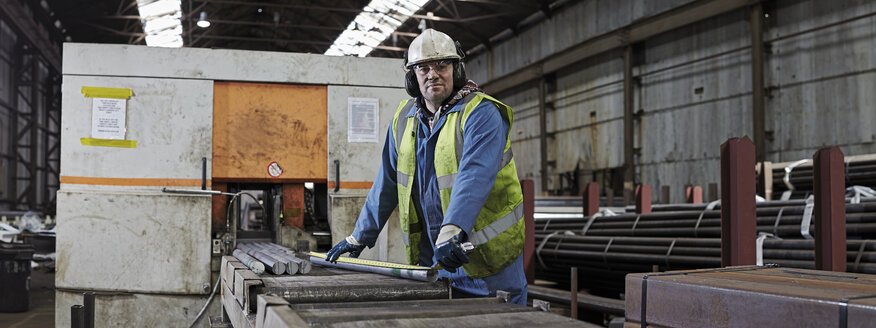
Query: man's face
(435, 79)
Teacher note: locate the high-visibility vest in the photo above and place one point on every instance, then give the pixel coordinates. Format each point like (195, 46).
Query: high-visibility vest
(498, 233)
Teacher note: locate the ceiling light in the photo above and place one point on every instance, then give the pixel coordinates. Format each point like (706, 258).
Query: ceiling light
(203, 22)
(372, 26)
(161, 22)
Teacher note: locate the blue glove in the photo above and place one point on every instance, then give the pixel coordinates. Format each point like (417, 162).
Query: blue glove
(450, 254)
(341, 248)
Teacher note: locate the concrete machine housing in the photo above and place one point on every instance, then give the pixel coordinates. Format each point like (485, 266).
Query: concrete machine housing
(148, 255)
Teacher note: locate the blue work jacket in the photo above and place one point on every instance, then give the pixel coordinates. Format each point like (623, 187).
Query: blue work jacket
(485, 134)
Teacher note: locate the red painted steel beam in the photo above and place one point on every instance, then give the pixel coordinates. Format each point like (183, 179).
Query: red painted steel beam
(643, 199)
(694, 194)
(830, 209)
(738, 211)
(529, 241)
(590, 199)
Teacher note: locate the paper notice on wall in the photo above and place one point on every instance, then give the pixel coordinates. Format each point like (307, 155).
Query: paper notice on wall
(108, 118)
(362, 119)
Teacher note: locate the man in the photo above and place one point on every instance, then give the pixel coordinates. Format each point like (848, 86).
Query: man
(447, 164)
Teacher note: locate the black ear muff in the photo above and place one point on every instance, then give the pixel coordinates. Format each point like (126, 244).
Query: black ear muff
(411, 84)
(459, 77)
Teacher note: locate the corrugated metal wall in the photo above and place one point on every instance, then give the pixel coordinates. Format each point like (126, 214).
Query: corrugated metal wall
(821, 89)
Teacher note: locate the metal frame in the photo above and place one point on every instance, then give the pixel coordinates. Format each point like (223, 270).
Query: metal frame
(31, 177)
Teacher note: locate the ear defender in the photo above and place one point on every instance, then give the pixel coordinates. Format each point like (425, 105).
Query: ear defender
(459, 77)
(411, 84)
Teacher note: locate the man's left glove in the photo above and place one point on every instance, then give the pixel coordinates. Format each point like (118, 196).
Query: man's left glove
(348, 245)
(449, 253)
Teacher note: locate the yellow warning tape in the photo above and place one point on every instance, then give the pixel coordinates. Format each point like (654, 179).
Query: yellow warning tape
(101, 92)
(108, 142)
(373, 263)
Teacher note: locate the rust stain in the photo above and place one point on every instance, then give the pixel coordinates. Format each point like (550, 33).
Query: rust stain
(257, 123)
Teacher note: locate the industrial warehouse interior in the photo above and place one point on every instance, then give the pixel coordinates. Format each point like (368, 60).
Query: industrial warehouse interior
(437, 163)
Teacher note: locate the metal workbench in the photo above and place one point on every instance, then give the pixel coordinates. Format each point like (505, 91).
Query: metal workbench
(329, 297)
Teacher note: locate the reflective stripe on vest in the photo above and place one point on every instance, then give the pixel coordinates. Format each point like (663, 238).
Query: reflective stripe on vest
(402, 178)
(497, 227)
(400, 128)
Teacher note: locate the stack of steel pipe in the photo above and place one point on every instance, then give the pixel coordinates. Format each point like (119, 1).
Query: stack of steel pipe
(860, 170)
(276, 259)
(783, 222)
(684, 236)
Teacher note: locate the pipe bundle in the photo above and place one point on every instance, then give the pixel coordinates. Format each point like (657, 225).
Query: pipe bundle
(685, 236)
(858, 171)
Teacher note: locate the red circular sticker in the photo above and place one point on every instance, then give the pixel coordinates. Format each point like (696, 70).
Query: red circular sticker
(274, 169)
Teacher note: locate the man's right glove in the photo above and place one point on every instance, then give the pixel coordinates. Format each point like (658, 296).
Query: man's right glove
(450, 254)
(345, 246)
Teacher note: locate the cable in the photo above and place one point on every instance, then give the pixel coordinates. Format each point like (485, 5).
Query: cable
(209, 300)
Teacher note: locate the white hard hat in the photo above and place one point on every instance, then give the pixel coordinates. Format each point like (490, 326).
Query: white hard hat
(431, 45)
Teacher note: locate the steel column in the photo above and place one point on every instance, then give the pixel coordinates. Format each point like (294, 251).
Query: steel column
(629, 168)
(529, 242)
(830, 209)
(738, 211)
(12, 137)
(757, 89)
(590, 198)
(33, 129)
(643, 199)
(542, 133)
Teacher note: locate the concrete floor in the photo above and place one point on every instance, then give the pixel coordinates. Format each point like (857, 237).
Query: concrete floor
(42, 304)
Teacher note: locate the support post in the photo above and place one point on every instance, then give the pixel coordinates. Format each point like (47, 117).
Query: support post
(830, 209)
(573, 304)
(542, 132)
(738, 211)
(757, 92)
(694, 194)
(590, 199)
(529, 242)
(629, 167)
(88, 298)
(77, 316)
(713, 192)
(643, 199)
(664, 195)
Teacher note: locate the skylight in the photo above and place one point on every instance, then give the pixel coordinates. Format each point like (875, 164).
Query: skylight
(161, 22)
(374, 24)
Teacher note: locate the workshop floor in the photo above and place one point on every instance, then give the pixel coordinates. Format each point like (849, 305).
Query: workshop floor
(42, 304)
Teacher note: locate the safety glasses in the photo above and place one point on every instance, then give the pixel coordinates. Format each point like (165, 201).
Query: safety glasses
(440, 66)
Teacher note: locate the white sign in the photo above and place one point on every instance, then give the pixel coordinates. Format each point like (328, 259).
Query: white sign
(108, 118)
(362, 119)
